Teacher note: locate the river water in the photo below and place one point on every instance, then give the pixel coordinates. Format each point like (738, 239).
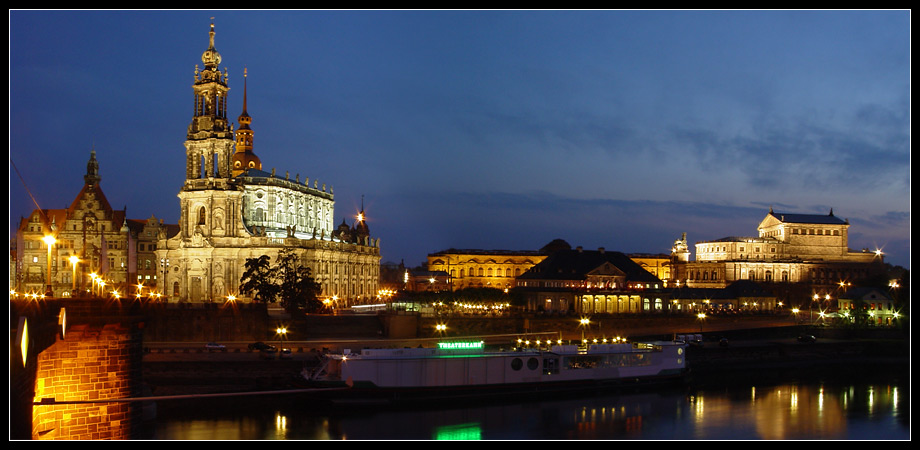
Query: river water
(825, 409)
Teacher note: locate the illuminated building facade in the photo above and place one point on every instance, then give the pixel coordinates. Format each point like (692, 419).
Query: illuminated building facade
(496, 269)
(874, 304)
(789, 248)
(231, 210)
(591, 282)
(656, 264)
(93, 243)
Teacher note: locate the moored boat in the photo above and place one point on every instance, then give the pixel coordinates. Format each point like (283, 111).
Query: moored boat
(462, 369)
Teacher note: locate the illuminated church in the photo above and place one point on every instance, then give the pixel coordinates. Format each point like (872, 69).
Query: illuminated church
(232, 210)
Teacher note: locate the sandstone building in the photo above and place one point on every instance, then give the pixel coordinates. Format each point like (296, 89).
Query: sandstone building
(232, 210)
(497, 269)
(789, 248)
(90, 239)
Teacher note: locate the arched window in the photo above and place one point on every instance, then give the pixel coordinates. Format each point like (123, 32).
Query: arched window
(201, 214)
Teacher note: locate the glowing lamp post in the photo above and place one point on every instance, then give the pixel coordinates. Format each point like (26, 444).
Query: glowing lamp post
(701, 316)
(92, 283)
(281, 331)
(49, 242)
(584, 322)
(73, 264)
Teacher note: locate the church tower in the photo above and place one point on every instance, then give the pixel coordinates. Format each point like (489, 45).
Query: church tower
(210, 200)
(232, 211)
(209, 144)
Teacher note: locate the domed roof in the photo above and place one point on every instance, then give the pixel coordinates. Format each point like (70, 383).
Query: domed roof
(245, 161)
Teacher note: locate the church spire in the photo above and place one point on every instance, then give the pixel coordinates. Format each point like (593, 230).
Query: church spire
(244, 159)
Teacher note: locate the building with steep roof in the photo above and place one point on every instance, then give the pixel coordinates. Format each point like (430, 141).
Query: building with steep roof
(231, 210)
(91, 239)
(789, 248)
(591, 282)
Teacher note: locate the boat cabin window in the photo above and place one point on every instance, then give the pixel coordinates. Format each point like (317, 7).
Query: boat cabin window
(533, 364)
(550, 366)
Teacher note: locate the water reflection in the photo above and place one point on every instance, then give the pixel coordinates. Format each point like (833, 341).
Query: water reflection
(787, 411)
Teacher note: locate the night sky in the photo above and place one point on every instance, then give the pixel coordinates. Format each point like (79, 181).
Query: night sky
(490, 130)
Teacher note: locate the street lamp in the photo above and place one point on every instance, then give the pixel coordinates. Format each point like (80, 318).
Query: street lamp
(49, 242)
(811, 307)
(701, 316)
(92, 283)
(584, 322)
(73, 263)
(281, 331)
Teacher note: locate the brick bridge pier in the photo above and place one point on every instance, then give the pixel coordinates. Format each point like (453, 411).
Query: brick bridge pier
(70, 359)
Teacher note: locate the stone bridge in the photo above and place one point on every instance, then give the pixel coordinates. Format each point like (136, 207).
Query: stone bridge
(70, 359)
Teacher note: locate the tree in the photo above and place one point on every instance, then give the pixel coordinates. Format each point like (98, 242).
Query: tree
(260, 279)
(298, 290)
(286, 281)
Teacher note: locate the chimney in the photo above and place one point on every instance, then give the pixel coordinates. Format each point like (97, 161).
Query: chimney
(601, 250)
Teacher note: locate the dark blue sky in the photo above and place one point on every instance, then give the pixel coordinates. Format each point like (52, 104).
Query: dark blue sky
(493, 130)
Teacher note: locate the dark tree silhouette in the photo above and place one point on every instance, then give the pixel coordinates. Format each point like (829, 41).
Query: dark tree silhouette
(287, 281)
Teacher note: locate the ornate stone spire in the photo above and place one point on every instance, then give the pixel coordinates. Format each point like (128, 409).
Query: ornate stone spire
(210, 57)
(92, 170)
(209, 142)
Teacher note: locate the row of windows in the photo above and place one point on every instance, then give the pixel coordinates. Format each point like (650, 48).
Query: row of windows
(815, 232)
(490, 272)
(703, 275)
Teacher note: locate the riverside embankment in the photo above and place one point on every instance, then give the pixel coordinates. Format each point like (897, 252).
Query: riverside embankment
(750, 354)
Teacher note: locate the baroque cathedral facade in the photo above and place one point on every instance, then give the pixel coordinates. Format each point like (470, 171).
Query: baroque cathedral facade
(231, 210)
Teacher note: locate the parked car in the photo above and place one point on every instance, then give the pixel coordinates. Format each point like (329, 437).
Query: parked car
(723, 342)
(806, 338)
(286, 354)
(211, 346)
(260, 346)
(269, 353)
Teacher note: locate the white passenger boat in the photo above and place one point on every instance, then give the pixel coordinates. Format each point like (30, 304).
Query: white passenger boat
(466, 368)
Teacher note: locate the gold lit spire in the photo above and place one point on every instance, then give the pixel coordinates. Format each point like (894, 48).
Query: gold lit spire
(244, 159)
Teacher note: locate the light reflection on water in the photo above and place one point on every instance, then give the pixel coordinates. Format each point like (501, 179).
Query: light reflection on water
(786, 411)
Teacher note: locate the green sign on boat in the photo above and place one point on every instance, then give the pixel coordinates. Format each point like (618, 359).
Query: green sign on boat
(460, 345)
